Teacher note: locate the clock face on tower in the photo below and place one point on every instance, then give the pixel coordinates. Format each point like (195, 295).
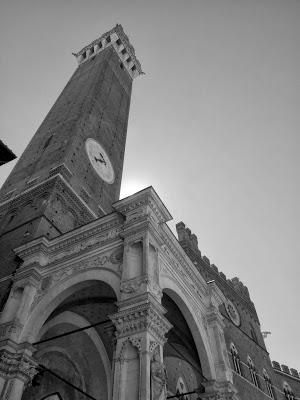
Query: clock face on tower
(100, 160)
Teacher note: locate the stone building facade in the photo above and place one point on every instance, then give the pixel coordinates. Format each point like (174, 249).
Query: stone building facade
(99, 299)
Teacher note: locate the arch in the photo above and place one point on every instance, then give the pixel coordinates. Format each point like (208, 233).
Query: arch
(173, 290)
(80, 322)
(60, 350)
(53, 396)
(59, 292)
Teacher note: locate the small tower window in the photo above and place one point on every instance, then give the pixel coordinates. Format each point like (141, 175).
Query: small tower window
(253, 334)
(252, 371)
(288, 393)
(268, 384)
(235, 359)
(48, 141)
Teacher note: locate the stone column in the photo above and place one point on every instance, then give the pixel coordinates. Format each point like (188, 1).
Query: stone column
(140, 330)
(18, 304)
(215, 326)
(17, 369)
(140, 323)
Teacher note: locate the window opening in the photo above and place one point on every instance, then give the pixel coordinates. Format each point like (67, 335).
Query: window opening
(235, 359)
(252, 371)
(268, 384)
(288, 393)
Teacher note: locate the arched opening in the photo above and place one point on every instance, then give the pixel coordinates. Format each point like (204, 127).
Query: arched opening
(181, 357)
(84, 357)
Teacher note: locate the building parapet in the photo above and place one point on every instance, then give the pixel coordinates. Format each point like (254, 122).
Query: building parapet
(285, 369)
(116, 38)
(189, 242)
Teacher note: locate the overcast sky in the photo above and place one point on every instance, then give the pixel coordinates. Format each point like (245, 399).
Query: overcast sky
(214, 124)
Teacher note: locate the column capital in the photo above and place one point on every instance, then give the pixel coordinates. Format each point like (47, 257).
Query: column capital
(146, 315)
(18, 365)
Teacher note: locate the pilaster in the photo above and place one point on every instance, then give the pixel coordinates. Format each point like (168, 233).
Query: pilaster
(17, 368)
(140, 331)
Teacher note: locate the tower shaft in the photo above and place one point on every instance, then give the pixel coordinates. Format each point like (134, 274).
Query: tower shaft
(70, 173)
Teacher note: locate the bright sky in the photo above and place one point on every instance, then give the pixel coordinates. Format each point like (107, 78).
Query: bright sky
(214, 124)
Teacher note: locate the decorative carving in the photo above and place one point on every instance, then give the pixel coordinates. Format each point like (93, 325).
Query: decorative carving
(152, 346)
(158, 379)
(136, 341)
(16, 365)
(60, 275)
(81, 246)
(38, 191)
(144, 317)
(140, 284)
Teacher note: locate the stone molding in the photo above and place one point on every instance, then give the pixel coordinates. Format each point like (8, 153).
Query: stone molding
(57, 182)
(140, 318)
(141, 204)
(17, 365)
(61, 274)
(70, 244)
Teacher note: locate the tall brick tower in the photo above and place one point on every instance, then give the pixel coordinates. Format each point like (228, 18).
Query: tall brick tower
(70, 173)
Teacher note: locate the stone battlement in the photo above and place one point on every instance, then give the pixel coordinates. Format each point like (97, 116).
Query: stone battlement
(285, 369)
(116, 38)
(189, 242)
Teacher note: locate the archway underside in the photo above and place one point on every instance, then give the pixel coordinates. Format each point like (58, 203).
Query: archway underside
(183, 364)
(82, 358)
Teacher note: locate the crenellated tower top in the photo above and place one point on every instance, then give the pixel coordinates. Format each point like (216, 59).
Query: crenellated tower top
(116, 38)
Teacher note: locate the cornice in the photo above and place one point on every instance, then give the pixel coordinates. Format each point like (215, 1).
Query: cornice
(142, 203)
(87, 237)
(57, 182)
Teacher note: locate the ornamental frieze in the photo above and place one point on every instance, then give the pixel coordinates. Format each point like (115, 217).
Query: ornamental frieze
(139, 285)
(115, 258)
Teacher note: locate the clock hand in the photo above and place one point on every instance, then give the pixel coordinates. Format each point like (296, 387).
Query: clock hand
(101, 159)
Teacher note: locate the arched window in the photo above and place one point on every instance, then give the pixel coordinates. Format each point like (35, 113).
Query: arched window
(288, 393)
(252, 371)
(235, 359)
(268, 384)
